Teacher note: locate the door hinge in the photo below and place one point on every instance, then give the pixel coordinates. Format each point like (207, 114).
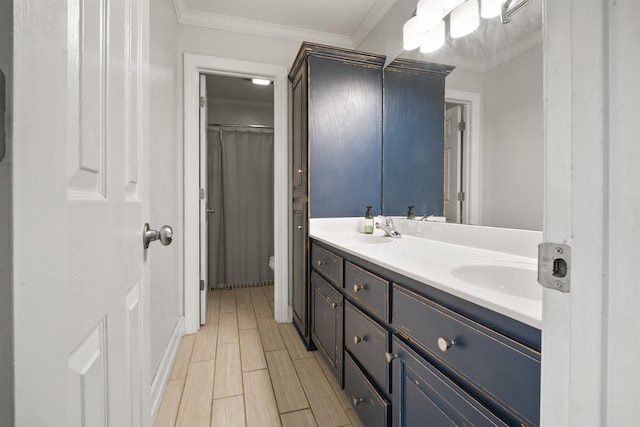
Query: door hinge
(461, 196)
(203, 102)
(202, 194)
(554, 266)
(462, 125)
(202, 285)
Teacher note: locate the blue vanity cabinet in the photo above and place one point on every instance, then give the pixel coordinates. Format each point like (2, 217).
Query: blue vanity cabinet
(413, 135)
(414, 355)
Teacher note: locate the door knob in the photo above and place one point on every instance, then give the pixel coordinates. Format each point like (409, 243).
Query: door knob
(165, 235)
(210, 211)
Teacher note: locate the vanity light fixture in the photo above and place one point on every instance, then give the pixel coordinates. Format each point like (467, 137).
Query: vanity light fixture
(427, 28)
(261, 82)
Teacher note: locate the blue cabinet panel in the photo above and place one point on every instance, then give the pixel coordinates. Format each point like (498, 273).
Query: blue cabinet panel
(413, 134)
(327, 324)
(345, 138)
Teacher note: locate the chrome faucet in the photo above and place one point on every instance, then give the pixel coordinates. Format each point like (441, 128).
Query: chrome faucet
(387, 225)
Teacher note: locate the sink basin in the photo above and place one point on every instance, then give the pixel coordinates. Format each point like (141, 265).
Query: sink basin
(515, 280)
(371, 239)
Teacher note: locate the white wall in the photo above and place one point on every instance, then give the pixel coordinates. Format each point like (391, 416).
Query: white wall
(6, 257)
(513, 143)
(166, 178)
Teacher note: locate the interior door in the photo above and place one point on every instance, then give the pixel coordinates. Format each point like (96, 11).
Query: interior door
(107, 189)
(452, 164)
(204, 209)
(81, 334)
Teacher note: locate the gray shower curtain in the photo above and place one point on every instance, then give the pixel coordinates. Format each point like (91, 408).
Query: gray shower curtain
(240, 163)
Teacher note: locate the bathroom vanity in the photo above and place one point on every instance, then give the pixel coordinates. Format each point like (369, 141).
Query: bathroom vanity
(410, 335)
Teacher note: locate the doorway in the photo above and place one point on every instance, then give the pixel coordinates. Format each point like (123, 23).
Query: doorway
(454, 162)
(194, 65)
(239, 182)
(465, 160)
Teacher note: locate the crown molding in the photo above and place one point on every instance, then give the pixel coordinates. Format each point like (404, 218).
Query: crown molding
(257, 28)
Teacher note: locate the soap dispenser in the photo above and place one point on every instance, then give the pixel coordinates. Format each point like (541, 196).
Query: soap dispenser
(368, 221)
(410, 214)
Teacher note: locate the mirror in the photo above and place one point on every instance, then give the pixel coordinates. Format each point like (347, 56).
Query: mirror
(497, 82)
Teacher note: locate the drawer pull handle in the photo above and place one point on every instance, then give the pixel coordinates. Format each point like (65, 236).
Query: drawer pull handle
(357, 288)
(321, 263)
(357, 339)
(357, 400)
(445, 344)
(327, 299)
(389, 357)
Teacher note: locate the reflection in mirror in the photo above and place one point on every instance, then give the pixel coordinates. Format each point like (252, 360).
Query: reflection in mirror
(495, 162)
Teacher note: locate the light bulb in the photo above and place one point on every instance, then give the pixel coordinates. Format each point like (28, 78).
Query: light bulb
(262, 82)
(413, 33)
(449, 5)
(434, 38)
(464, 19)
(430, 12)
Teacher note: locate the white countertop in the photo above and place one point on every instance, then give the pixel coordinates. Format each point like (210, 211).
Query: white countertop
(433, 261)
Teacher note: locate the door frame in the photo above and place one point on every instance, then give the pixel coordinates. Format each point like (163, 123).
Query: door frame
(471, 151)
(194, 65)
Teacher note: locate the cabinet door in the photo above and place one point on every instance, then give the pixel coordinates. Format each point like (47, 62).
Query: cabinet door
(299, 260)
(327, 315)
(422, 396)
(413, 142)
(345, 138)
(299, 134)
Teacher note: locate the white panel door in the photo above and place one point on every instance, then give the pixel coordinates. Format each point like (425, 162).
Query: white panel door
(452, 164)
(204, 215)
(86, 361)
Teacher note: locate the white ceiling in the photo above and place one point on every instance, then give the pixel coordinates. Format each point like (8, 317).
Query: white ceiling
(338, 22)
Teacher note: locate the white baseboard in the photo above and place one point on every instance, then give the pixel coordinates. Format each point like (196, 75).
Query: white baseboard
(161, 376)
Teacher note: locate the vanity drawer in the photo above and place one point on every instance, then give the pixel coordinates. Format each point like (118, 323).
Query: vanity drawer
(505, 370)
(368, 342)
(372, 408)
(327, 263)
(368, 289)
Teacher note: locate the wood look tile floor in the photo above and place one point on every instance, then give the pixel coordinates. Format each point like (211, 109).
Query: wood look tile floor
(244, 369)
